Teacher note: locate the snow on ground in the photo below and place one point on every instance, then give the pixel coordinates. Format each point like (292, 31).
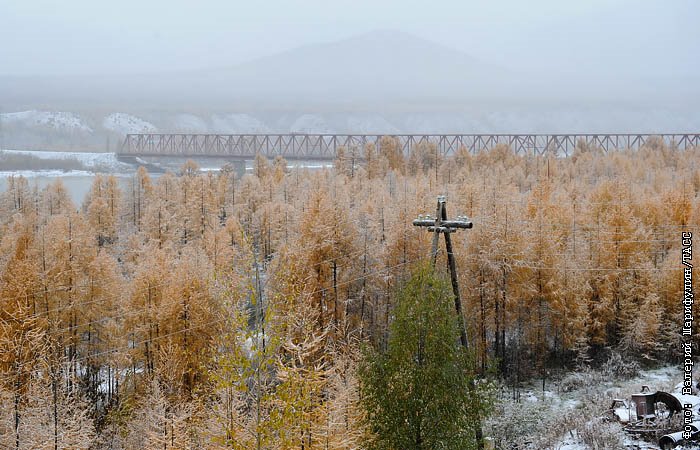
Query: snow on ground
(58, 120)
(637, 444)
(237, 123)
(571, 443)
(310, 123)
(661, 379)
(44, 174)
(126, 123)
(559, 402)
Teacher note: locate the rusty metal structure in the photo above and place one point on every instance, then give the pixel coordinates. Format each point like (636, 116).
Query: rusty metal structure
(324, 146)
(659, 416)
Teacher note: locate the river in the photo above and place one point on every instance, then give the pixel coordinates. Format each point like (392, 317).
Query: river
(78, 182)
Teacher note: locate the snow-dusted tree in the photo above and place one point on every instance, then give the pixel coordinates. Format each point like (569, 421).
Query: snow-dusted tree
(261, 166)
(158, 423)
(20, 198)
(297, 414)
(390, 149)
(374, 164)
(56, 416)
(342, 410)
(139, 196)
(56, 200)
(102, 207)
(22, 331)
(326, 250)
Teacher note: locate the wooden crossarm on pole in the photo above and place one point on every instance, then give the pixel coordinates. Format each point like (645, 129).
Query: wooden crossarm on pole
(441, 224)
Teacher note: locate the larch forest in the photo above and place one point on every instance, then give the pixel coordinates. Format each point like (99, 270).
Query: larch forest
(204, 309)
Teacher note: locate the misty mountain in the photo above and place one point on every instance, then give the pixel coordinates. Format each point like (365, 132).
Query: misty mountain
(386, 69)
(380, 71)
(370, 69)
(379, 82)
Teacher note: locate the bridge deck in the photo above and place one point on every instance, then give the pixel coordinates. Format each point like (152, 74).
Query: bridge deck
(324, 146)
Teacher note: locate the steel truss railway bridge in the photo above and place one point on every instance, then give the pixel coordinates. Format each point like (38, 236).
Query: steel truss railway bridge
(324, 146)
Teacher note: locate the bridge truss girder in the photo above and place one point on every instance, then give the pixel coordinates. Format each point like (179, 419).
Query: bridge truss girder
(324, 146)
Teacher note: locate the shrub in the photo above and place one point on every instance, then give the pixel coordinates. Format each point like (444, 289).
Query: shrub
(621, 369)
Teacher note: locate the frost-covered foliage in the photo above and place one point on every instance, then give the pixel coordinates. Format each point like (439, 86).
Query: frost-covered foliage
(580, 379)
(618, 367)
(524, 425)
(244, 297)
(590, 427)
(543, 424)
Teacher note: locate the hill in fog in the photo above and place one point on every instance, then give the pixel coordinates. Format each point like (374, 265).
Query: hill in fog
(387, 69)
(379, 82)
(382, 70)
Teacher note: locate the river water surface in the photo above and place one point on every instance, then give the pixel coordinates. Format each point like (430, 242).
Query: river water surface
(78, 182)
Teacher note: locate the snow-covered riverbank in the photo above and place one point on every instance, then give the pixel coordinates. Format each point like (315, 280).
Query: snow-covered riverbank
(77, 169)
(47, 163)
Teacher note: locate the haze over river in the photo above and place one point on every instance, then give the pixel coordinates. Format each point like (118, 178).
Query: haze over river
(78, 169)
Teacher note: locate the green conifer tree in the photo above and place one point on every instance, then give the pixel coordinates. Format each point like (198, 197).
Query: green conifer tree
(417, 394)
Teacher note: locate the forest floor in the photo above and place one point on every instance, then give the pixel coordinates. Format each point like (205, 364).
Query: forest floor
(558, 403)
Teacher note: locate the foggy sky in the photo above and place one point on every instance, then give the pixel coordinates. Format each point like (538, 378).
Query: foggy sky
(653, 39)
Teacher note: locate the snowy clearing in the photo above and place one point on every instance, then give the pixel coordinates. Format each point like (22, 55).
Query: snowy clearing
(124, 123)
(58, 120)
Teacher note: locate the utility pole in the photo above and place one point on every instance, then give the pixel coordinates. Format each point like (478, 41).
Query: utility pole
(441, 224)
